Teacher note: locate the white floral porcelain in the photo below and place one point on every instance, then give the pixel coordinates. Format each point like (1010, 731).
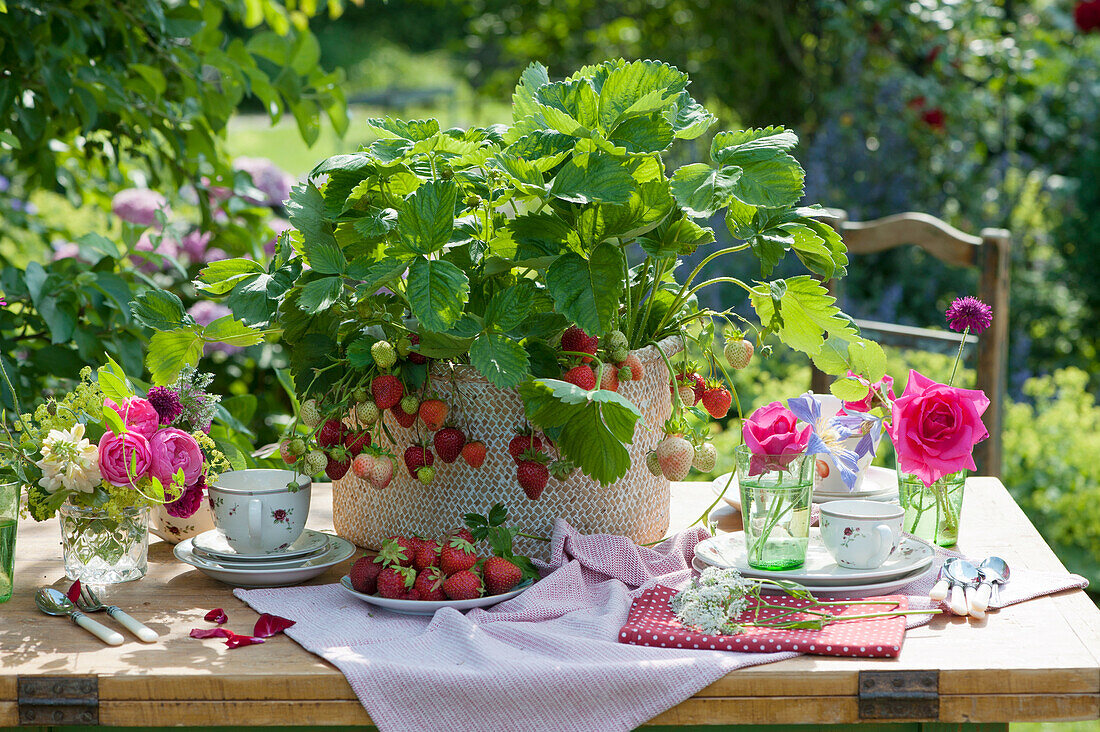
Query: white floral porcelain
(860, 534)
(175, 529)
(260, 511)
(827, 476)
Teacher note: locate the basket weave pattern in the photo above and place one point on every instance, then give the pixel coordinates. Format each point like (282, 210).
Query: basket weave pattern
(636, 506)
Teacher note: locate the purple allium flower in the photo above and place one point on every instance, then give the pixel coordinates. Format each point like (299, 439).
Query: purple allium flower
(167, 403)
(194, 244)
(206, 312)
(969, 312)
(268, 178)
(189, 501)
(139, 206)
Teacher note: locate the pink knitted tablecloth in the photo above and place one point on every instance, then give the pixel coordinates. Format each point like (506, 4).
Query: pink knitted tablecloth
(549, 657)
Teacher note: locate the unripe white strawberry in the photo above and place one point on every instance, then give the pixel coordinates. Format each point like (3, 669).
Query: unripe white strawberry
(739, 353)
(367, 413)
(297, 446)
(310, 413)
(652, 463)
(315, 462)
(383, 354)
(616, 344)
(675, 455)
(706, 457)
(410, 404)
(687, 395)
(362, 465)
(381, 472)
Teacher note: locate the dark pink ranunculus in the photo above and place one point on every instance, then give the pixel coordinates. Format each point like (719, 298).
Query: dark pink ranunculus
(174, 450)
(137, 414)
(884, 386)
(124, 459)
(773, 437)
(934, 428)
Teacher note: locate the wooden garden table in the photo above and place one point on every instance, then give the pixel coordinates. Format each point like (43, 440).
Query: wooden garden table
(1039, 660)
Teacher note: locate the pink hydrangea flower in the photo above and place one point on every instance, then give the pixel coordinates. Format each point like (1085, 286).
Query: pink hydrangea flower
(935, 427)
(139, 415)
(194, 244)
(773, 437)
(173, 450)
(164, 244)
(139, 206)
(268, 178)
(65, 250)
(117, 454)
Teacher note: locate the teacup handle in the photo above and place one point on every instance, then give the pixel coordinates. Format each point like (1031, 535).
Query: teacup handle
(885, 543)
(255, 522)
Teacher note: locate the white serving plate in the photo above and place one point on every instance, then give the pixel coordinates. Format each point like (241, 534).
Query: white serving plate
(212, 545)
(819, 570)
(339, 549)
(884, 480)
(846, 592)
(428, 607)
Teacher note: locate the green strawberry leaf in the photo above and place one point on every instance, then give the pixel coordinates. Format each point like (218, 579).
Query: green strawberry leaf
(160, 310)
(500, 359)
(437, 292)
(701, 190)
(587, 291)
(689, 118)
(593, 178)
(801, 310)
(637, 89)
(427, 221)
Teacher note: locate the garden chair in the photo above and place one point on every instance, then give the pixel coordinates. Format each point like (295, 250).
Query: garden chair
(989, 253)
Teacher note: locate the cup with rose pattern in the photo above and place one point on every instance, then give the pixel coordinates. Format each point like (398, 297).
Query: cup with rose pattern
(260, 511)
(860, 534)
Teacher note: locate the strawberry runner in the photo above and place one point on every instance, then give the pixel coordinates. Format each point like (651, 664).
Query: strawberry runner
(551, 656)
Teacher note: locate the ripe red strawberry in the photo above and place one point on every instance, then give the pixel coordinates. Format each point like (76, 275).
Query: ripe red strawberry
(717, 400)
(532, 476)
(362, 465)
(464, 533)
(675, 455)
(500, 575)
(332, 433)
(521, 443)
(414, 356)
(449, 442)
(356, 440)
(456, 555)
(474, 453)
(284, 452)
(581, 376)
(637, 370)
(338, 463)
(738, 353)
(429, 584)
(395, 582)
(403, 418)
(364, 575)
(609, 379)
(464, 585)
(397, 550)
(575, 339)
(434, 413)
(387, 391)
(381, 472)
(416, 457)
(427, 555)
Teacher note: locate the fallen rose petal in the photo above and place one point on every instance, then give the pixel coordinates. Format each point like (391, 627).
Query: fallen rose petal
(74, 591)
(211, 633)
(268, 625)
(217, 615)
(236, 641)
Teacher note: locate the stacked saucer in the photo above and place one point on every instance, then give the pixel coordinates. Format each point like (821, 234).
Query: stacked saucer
(820, 574)
(308, 557)
(879, 484)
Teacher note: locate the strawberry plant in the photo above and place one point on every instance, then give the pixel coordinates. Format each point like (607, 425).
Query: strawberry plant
(549, 246)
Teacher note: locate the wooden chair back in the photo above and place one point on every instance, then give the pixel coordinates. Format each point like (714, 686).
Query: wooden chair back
(990, 254)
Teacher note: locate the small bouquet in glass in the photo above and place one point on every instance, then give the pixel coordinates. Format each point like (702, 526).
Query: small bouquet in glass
(102, 455)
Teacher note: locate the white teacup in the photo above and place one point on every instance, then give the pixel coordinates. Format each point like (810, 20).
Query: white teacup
(860, 534)
(827, 476)
(260, 511)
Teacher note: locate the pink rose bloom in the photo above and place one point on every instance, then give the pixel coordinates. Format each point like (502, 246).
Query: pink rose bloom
(773, 430)
(139, 415)
(174, 450)
(117, 455)
(884, 386)
(935, 427)
(139, 206)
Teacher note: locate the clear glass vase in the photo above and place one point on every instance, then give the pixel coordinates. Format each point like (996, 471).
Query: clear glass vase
(776, 495)
(932, 512)
(103, 550)
(9, 522)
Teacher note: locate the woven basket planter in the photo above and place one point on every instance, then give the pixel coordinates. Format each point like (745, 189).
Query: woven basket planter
(636, 506)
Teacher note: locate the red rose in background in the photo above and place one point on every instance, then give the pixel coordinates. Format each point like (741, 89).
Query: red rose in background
(934, 118)
(1087, 15)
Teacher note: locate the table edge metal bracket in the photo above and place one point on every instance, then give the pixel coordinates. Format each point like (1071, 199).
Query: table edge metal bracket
(911, 695)
(58, 700)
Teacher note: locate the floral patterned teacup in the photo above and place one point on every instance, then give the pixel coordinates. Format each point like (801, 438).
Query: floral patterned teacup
(827, 476)
(860, 534)
(260, 511)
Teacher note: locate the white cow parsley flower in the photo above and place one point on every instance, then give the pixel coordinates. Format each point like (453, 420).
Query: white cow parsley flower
(712, 604)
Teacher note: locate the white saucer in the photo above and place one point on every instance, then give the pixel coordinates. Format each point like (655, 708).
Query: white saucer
(428, 607)
(819, 570)
(213, 545)
(846, 592)
(339, 549)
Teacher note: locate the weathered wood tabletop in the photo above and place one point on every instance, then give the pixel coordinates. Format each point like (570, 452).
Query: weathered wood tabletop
(1039, 660)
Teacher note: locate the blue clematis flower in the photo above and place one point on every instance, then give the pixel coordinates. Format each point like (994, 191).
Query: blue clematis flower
(829, 435)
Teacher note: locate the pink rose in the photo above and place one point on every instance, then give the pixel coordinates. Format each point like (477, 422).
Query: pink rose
(189, 502)
(137, 414)
(884, 386)
(773, 430)
(124, 459)
(934, 428)
(174, 450)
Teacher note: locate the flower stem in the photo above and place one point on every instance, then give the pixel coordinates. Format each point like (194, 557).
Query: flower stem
(958, 356)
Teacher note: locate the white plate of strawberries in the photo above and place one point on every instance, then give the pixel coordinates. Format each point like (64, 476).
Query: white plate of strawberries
(428, 607)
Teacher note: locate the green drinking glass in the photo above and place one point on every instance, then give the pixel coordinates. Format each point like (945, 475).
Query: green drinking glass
(9, 522)
(776, 493)
(932, 512)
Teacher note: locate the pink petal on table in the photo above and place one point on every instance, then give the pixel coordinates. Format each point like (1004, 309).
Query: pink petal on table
(217, 615)
(74, 591)
(211, 633)
(268, 625)
(236, 641)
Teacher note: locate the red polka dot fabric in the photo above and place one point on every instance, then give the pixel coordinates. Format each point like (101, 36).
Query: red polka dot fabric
(651, 622)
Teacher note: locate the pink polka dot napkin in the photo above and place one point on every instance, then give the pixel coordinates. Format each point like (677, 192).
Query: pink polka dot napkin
(651, 622)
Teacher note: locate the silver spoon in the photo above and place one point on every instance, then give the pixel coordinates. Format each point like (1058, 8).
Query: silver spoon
(943, 586)
(89, 602)
(966, 577)
(54, 602)
(995, 572)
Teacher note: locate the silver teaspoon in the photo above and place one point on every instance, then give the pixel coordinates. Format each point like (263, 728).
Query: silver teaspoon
(54, 602)
(995, 572)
